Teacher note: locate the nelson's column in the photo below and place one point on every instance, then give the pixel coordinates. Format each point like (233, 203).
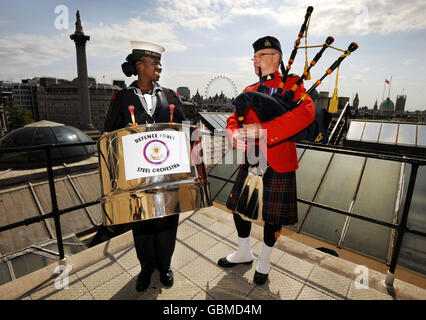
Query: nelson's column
(80, 40)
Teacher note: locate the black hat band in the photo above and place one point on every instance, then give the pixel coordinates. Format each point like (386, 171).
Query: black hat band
(267, 42)
(146, 53)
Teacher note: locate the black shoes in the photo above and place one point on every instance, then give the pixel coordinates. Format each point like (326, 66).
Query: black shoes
(226, 264)
(143, 281)
(166, 278)
(260, 278)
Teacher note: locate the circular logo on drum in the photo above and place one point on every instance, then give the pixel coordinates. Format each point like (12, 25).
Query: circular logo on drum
(156, 152)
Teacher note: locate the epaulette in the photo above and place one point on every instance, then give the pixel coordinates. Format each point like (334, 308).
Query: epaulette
(252, 84)
(171, 95)
(250, 87)
(117, 94)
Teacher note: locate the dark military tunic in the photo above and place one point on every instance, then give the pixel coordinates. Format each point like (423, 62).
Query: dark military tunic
(118, 114)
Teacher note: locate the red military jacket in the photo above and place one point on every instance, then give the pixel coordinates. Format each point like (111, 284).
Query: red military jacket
(281, 155)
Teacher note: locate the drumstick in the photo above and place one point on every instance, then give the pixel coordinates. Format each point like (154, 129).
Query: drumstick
(132, 109)
(172, 108)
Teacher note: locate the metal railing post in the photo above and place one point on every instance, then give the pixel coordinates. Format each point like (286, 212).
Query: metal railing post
(347, 117)
(402, 228)
(54, 201)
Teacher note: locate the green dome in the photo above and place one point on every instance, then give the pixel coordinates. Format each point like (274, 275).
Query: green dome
(387, 105)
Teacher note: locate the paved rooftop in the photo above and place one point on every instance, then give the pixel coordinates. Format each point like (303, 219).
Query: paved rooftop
(109, 270)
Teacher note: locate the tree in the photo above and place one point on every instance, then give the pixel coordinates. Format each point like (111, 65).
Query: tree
(18, 116)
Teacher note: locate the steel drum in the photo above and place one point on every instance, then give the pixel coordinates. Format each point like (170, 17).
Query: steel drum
(151, 171)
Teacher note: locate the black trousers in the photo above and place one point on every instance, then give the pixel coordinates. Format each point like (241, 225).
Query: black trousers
(155, 241)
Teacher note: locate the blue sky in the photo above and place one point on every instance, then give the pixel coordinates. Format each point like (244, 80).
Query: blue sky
(205, 39)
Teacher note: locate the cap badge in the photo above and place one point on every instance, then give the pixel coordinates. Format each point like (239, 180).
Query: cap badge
(267, 43)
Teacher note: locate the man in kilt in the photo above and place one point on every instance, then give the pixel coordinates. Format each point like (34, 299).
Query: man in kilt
(279, 180)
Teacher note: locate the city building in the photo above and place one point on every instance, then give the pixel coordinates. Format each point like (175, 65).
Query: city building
(4, 125)
(375, 107)
(197, 98)
(322, 100)
(6, 99)
(184, 93)
(6, 94)
(355, 102)
(25, 95)
(119, 83)
(387, 105)
(59, 102)
(400, 103)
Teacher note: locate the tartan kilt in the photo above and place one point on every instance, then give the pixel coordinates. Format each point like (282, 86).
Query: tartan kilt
(279, 195)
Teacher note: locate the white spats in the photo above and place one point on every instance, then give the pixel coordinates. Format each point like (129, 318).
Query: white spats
(263, 263)
(243, 254)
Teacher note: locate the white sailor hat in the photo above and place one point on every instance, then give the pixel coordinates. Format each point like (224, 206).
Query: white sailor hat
(147, 49)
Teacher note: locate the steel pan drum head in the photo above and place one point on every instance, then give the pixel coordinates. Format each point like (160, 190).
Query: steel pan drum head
(147, 172)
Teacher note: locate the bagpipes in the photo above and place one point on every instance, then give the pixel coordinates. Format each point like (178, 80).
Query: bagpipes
(269, 107)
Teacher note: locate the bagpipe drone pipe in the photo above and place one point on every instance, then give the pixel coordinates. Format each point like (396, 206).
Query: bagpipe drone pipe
(268, 107)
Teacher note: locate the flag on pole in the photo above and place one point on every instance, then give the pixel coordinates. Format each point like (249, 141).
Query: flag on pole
(387, 81)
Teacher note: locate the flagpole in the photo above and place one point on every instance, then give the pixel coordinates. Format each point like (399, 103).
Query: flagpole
(390, 84)
(383, 95)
